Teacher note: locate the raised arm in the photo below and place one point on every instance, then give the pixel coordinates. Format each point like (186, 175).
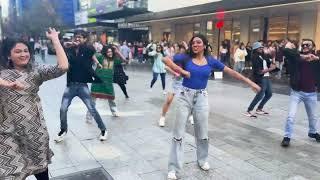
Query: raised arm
(62, 59)
(118, 53)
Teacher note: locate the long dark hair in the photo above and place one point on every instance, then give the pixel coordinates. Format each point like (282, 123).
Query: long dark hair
(105, 49)
(7, 46)
(205, 43)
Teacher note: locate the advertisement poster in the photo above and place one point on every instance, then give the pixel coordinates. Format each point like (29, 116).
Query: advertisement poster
(105, 6)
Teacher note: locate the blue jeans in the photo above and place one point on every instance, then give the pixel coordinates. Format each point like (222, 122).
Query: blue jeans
(265, 94)
(195, 102)
(239, 66)
(163, 79)
(82, 91)
(310, 103)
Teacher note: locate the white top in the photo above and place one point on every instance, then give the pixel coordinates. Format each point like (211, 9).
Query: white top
(265, 66)
(240, 55)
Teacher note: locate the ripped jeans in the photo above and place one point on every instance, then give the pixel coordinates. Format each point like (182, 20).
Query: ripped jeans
(195, 101)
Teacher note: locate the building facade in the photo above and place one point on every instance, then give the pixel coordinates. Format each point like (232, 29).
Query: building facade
(244, 21)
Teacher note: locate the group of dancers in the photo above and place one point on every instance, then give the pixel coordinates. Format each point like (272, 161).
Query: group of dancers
(24, 139)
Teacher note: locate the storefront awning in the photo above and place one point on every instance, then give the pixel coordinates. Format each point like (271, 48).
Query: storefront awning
(120, 13)
(96, 24)
(209, 8)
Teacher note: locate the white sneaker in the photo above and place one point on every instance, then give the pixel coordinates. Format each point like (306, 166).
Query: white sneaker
(172, 175)
(191, 120)
(60, 136)
(164, 92)
(104, 136)
(115, 114)
(162, 121)
(205, 166)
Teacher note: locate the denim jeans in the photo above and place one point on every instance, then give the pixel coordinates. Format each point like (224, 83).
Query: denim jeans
(239, 66)
(82, 91)
(195, 101)
(112, 106)
(265, 94)
(163, 79)
(310, 104)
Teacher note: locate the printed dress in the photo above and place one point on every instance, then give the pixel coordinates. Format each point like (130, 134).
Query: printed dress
(24, 139)
(105, 90)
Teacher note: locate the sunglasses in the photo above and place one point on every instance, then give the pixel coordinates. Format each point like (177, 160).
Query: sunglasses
(306, 45)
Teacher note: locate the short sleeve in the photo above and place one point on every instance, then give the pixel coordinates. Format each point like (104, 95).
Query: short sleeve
(179, 58)
(215, 64)
(48, 72)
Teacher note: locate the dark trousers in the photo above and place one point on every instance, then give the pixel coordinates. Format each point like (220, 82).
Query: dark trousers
(163, 79)
(265, 94)
(43, 175)
(124, 89)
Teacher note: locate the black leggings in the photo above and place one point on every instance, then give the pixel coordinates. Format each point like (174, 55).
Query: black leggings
(124, 89)
(163, 79)
(42, 176)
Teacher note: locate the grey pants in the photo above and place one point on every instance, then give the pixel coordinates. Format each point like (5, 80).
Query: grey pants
(195, 101)
(112, 105)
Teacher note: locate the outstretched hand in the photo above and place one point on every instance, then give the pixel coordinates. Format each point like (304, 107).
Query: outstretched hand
(53, 34)
(255, 88)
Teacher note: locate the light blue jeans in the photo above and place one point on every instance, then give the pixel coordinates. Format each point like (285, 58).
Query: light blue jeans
(195, 101)
(310, 103)
(238, 66)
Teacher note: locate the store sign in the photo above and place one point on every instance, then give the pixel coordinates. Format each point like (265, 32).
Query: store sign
(105, 6)
(81, 17)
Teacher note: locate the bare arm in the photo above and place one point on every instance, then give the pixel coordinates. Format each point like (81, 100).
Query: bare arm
(238, 76)
(171, 71)
(175, 67)
(120, 55)
(62, 59)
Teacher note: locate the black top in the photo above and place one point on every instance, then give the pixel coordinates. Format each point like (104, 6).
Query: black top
(257, 67)
(81, 62)
(304, 76)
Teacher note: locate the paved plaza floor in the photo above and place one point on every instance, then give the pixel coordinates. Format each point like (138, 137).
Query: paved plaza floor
(137, 148)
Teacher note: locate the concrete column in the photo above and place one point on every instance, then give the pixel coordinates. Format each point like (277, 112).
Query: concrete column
(317, 33)
(308, 25)
(173, 31)
(244, 29)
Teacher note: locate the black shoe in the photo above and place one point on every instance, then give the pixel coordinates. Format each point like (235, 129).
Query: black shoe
(285, 142)
(315, 136)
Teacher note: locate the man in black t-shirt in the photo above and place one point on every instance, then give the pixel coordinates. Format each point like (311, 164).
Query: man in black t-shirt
(81, 57)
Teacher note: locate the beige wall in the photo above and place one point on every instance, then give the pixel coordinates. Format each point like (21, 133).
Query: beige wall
(308, 25)
(157, 30)
(317, 38)
(244, 29)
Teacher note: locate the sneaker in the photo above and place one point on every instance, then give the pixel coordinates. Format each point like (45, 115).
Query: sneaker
(172, 175)
(60, 136)
(261, 112)
(164, 92)
(285, 142)
(103, 135)
(115, 114)
(191, 120)
(249, 114)
(162, 121)
(315, 136)
(205, 166)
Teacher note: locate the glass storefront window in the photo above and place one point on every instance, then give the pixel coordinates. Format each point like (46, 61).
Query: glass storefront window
(277, 28)
(255, 30)
(226, 31)
(196, 28)
(236, 31)
(294, 28)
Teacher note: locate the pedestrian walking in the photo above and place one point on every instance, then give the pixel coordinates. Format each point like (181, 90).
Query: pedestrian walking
(81, 57)
(158, 67)
(304, 69)
(193, 96)
(261, 68)
(239, 58)
(24, 136)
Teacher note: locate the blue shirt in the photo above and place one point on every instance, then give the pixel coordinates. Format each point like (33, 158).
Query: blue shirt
(199, 75)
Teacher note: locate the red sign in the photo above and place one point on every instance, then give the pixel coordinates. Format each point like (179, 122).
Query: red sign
(219, 24)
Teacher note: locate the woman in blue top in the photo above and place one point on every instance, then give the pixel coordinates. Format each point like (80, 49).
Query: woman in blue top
(197, 66)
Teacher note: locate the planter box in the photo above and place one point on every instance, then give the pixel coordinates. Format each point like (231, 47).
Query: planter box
(218, 75)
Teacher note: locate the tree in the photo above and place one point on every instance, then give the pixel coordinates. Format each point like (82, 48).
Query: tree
(34, 20)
